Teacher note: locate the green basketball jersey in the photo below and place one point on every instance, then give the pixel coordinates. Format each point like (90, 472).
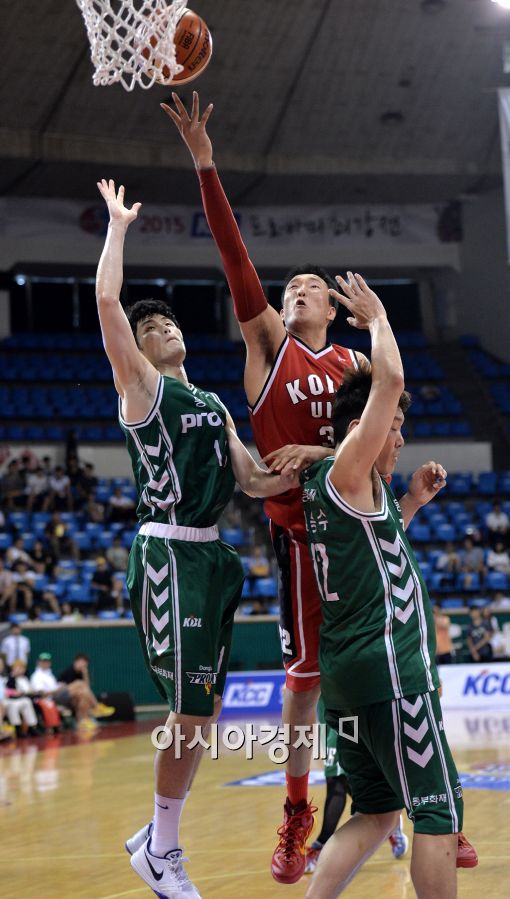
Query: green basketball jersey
(377, 637)
(180, 457)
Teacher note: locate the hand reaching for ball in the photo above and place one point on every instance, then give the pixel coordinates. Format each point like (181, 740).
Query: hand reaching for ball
(192, 129)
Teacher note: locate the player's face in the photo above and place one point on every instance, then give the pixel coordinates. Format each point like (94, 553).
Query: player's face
(306, 304)
(161, 341)
(388, 457)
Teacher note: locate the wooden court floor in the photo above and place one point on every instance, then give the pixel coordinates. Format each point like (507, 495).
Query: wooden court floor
(65, 811)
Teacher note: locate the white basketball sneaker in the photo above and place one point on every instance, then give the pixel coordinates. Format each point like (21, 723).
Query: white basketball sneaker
(165, 876)
(138, 838)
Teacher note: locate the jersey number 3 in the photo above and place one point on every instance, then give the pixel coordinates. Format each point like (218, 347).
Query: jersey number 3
(321, 565)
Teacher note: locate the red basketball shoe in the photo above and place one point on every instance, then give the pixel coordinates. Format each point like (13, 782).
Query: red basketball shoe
(466, 853)
(288, 862)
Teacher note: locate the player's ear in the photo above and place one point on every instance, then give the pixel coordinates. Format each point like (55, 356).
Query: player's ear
(282, 315)
(352, 424)
(331, 314)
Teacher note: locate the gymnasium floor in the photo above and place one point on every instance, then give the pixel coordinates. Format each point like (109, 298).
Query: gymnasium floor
(66, 807)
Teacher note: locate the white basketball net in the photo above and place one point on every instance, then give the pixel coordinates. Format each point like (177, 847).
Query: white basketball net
(119, 31)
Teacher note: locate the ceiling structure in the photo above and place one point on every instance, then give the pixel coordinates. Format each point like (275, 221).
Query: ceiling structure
(316, 101)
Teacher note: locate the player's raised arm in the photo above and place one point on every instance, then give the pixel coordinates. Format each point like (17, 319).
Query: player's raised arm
(261, 326)
(132, 372)
(358, 452)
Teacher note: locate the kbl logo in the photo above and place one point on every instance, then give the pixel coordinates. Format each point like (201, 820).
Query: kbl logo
(487, 683)
(251, 694)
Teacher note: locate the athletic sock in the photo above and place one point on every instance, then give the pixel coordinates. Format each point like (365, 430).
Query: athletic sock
(333, 807)
(297, 788)
(165, 833)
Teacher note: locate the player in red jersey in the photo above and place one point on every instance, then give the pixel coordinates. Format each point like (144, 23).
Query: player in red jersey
(291, 375)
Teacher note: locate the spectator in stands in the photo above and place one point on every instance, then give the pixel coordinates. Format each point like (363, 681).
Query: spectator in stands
(498, 642)
(500, 600)
(18, 553)
(76, 695)
(7, 588)
(122, 508)
(472, 562)
(13, 487)
(258, 607)
(75, 473)
(37, 490)
(61, 497)
(45, 600)
(88, 481)
(479, 637)
(94, 510)
(57, 534)
(444, 645)
(69, 613)
(18, 707)
(2, 521)
(498, 558)
(449, 563)
(498, 524)
(117, 554)
(23, 578)
(259, 563)
(43, 559)
(449, 559)
(79, 672)
(15, 646)
(47, 466)
(108, 589)
(6, 730)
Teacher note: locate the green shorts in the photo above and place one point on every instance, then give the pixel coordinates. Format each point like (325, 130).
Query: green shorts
(183, 596)
(399, 757)
(332, 766)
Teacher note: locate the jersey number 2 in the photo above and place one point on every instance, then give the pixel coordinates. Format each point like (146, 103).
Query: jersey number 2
(320, 559)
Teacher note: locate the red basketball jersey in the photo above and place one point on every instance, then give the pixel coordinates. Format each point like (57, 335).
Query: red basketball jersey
(295, 406)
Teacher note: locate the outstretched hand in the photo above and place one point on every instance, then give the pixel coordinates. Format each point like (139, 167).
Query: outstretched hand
(192, 129)
(363, 304)
(294, 458)
(115, 202)
(426, 482)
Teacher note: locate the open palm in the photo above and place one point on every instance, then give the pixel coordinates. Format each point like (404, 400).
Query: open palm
(115, 202)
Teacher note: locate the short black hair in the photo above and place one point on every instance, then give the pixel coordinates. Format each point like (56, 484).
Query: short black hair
(352, 397)
(81, 655)
(143, 309)
(310, 269)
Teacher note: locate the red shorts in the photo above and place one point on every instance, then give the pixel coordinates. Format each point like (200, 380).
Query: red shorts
(300, 609)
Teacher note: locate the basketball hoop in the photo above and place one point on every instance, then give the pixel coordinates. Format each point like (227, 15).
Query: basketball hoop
(119, 31)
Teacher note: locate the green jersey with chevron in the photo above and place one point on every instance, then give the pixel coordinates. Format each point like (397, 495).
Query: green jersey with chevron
(377, 637)
(182, 441)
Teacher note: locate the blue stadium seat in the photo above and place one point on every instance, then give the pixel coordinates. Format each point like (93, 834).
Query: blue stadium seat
(445, 533)
(265, 586)
(78, 593)
(420, 533)
(496, 580)
(452, 603)
(234, 536)
(487, 481)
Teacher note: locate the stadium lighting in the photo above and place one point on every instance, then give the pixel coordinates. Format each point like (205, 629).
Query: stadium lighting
(504, 3)
(20, 280)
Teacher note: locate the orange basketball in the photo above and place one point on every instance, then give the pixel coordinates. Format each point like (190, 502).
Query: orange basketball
(193, 50)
